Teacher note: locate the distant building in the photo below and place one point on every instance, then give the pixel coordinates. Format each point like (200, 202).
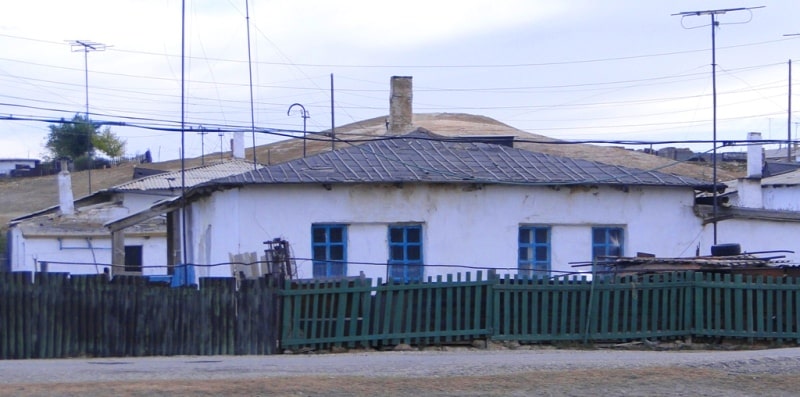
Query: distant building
(10, 167)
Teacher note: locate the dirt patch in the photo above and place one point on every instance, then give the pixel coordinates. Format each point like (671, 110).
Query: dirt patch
(655, 381)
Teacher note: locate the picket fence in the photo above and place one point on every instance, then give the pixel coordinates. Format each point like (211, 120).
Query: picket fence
(322, 315)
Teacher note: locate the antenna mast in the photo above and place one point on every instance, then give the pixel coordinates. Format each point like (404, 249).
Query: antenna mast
(714, 23)
(86, 46)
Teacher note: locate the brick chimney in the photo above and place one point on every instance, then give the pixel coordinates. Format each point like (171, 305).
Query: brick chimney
(65, 199)
(401, 114)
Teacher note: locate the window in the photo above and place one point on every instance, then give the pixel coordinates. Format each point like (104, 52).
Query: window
(329, 250)
(534, 251)
(133, 259)
(607, 241)
(405, 253)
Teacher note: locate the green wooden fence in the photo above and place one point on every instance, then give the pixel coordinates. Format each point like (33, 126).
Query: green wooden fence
(354, 313)
(50, 315)
(320, 315)
(47, 315)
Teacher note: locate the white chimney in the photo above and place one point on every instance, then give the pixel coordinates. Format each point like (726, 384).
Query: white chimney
(755, 156)
(749, 187)
(238, 145)
(400, 106)
(65, 200)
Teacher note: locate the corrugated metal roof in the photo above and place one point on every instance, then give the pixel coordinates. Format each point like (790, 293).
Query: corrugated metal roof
(193, 176)
(87, 220)
(789, 178)
(425, 157)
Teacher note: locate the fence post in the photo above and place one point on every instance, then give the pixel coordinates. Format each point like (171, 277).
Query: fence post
(492, 304)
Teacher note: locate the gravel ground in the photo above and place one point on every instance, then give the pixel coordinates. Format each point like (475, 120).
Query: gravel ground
(540, 371)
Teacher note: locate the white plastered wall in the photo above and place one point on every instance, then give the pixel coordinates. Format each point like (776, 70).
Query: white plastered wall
(461, 225)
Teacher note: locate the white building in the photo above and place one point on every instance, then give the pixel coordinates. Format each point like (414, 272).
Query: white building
(760, 214)
(72, 237)
(418, 205)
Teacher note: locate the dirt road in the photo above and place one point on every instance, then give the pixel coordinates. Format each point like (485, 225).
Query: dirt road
(459, 372)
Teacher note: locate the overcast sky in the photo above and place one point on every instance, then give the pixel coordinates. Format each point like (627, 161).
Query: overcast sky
(572, 69)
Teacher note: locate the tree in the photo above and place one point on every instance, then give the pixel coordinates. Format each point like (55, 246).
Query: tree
(78, 138)
(71, 138)
(109, 143)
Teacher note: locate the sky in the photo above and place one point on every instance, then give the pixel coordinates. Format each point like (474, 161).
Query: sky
(616, 70)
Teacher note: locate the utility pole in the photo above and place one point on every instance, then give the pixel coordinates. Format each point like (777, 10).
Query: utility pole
(221, 149)
(202, 133)
(333, 124)
(86, 46)
(789, 123)
(714, 24)
(250, 70)
(304, 115)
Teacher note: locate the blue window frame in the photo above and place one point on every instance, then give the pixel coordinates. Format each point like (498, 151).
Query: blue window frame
(405, 253)
(534, 251)
(329, 250)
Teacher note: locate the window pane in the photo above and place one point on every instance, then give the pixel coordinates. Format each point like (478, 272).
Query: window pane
(414, 235)
(320, 252)
(541, 254)
(320, 269)
(397, 272)
(541, 235)
(337, 253)
(398, 253)
(337, 269)
(318, 234)
(414, 272)
(524, 236)
(414, 253)
(396, 235)
(598, 235)
(337, 234)
(525, 253)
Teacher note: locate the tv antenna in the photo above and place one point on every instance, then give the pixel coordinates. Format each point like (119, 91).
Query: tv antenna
(714, 24)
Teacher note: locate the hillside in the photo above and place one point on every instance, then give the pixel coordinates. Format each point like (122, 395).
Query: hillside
(22, 196)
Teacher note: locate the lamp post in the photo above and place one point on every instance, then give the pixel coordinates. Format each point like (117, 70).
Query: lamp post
(85, 46)
(304, 115)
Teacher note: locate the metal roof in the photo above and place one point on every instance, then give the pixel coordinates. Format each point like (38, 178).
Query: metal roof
(422, 156)
(789, 178)
(193, 176)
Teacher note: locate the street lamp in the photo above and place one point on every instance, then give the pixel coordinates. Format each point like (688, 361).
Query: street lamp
(304, 115)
